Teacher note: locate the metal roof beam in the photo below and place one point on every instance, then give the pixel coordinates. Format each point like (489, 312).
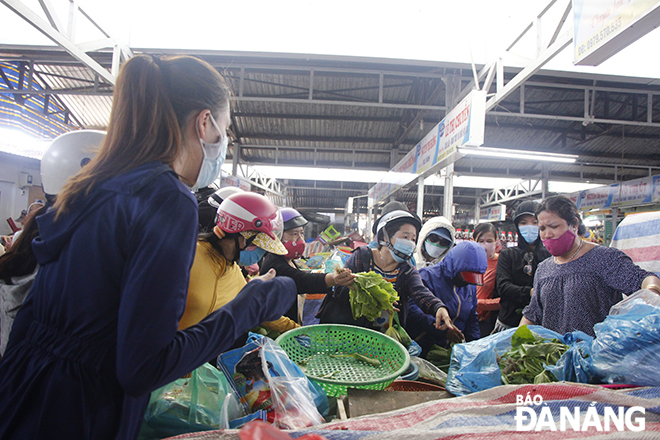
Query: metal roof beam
(304, 70)
(335, 139)
(242, 114)
(84, 91)
(624, 90)
(319, 149)
(53, 29)
(543, 53)
(587, 120)
(337, 102)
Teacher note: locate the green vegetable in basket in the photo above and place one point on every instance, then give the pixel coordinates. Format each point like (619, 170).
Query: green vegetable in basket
(371, 361)
(523, 364)
(370, 295)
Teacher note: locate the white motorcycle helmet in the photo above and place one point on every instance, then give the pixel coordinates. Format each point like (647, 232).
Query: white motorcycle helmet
(66, 155)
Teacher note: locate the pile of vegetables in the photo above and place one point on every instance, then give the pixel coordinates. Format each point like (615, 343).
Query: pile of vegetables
(523, 364)
(370, 295)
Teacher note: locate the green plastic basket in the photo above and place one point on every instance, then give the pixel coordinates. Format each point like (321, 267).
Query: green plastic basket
(310, 347)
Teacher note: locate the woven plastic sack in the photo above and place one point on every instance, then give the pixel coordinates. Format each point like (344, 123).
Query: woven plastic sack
(627, 345)
(203, 402)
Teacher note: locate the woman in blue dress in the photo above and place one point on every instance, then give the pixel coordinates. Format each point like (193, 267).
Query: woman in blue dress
(98, 331)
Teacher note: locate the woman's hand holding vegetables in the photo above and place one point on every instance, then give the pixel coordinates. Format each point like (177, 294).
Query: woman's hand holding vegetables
(343, 278)
(455, 335)
(442, 320)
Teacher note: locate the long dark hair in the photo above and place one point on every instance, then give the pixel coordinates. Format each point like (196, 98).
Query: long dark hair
(153, 100)
(19, 259)
(217, 253)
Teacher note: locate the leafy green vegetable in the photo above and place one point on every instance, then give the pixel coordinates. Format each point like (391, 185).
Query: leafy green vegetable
(440, 357)
(523, 364)
(370, 295)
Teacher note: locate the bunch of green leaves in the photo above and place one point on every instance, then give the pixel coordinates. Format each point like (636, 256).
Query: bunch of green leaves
(523, 364)
(371, 294)
(440, 357)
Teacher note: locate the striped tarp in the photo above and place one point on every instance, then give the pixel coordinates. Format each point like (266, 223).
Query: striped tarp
(491, 414)
(638, 235)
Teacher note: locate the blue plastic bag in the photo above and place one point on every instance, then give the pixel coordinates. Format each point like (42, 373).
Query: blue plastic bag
(473, 366)
(627, 345)
(575, 364)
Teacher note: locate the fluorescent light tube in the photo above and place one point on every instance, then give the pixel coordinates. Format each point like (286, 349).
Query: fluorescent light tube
(517, 154)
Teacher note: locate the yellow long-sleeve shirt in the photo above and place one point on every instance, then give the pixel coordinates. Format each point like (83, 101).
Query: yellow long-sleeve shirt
(213, 283)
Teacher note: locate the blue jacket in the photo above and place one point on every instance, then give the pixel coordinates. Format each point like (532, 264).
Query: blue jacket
(461, 302)
(98, 330)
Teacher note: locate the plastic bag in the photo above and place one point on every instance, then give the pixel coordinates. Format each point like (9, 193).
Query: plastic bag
(333, 262)
(627, 345)
(429, 372)
(266, 379)
(263, 431)
(575, 363)
(205, 401)
(473, 365)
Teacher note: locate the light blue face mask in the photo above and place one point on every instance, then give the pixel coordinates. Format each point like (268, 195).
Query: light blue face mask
(214, 157)
(402, 250)
(529, 232)
(248, 258)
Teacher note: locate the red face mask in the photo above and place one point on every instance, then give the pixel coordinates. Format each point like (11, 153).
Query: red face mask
(295, 248)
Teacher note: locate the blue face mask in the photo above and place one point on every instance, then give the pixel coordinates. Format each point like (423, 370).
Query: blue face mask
(248, 258)
(214, 157)
(402, 250)
(529, 232)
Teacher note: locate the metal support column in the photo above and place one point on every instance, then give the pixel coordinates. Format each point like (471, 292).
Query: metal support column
(449, 193)
(477, 208)
(545, 170)
(237, 155)
(370, 216)
(420, 198)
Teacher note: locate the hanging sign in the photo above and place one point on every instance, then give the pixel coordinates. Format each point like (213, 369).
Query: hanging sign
(635, 192)
(604, 27)
(464, 125)
(495, 213)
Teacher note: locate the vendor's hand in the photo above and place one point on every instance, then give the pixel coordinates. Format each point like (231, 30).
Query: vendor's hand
(395, 307)
(531, 292)
(455, 335)
(345, 278)
(252, 270)
(442, 319)
(267, 276)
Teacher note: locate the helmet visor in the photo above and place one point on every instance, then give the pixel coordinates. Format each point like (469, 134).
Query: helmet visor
(473, 278)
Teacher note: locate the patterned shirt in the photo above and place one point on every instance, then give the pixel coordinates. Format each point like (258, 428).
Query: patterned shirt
(579, 294)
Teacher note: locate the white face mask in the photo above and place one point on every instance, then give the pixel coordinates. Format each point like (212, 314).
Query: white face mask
(434, 250)
(489, 248)
(214, 157)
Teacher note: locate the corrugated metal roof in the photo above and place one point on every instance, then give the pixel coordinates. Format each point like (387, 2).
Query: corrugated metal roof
(326, 111)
